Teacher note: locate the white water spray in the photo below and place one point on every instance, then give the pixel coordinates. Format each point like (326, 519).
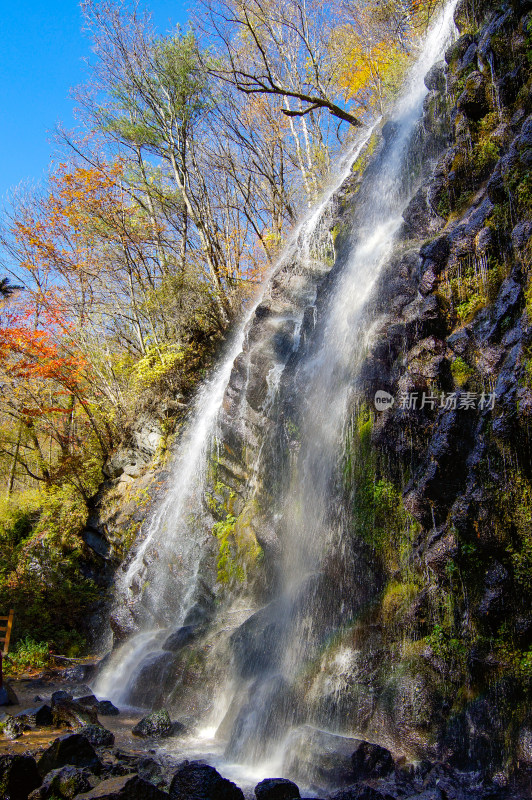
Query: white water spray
(165, 566)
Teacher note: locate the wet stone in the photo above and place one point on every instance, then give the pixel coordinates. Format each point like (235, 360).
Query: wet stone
(61, 694)
(197, 781)
(18, 776)
(88, 700)
(320, 757)
(362, 792)
(276, 789)
(14, 728)
(125, 787)
(7, 695)
(371, 760)
(65, 782)
(106, 709)
(98, 736)
(154, 725)
(72, 749)
(70, 714)
(40, 716)
(176, 641)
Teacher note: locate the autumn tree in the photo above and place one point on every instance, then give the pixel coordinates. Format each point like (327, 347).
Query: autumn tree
(158, 102)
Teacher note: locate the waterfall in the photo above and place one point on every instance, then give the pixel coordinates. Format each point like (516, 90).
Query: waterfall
(325, 575)
(321, 572)
(163, 574)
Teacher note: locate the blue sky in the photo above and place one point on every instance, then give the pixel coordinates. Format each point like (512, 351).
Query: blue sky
(42, 49)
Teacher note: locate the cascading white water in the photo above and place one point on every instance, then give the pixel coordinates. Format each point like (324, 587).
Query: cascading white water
(323, 583)
(163, 573)
(314, 587)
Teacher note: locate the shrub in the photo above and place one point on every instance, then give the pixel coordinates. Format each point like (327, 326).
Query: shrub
(28, 654)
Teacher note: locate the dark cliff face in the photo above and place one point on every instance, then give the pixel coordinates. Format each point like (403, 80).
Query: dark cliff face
(437, 487)
(455, 354)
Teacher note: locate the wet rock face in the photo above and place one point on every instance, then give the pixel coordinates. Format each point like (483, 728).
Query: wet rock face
(256, 643)
(184, 635)
(451, 325)
(152, 678)
(475, 343)
(473, 102)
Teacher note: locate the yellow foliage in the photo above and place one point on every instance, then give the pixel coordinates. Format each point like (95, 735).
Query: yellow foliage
(369, 69)
(156, 364)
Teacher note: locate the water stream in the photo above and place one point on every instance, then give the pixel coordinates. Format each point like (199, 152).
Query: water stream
(164, 568)
(321, 573)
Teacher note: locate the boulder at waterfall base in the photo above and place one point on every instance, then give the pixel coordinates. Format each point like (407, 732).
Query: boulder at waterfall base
(125, 787)
(65, 782)
(197, 781)
(155, 725)
(97, 735)
(276, 789)
(73, 749)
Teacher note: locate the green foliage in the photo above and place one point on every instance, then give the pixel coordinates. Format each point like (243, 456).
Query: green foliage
(18, 516)
(446, 646)
(397, 598)
(173, 84)
(461, 371)
(466, 310)
(27, 655)
(486, 151)
(239, 552)
(362, 161)
(41, 574)
(515, 512)
(529, 42)
(444, 205)
(523, 194)
(379, 516)
(228, 567)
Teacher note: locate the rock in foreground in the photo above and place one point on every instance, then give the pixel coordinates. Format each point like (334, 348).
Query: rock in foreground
(154, 725)
(18, 776)
(66, 782)
(73, 750)
(127, 787)
(197, 781)
(276, 789)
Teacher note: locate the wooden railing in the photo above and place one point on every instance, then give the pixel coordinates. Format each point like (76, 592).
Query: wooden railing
(6, 623)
